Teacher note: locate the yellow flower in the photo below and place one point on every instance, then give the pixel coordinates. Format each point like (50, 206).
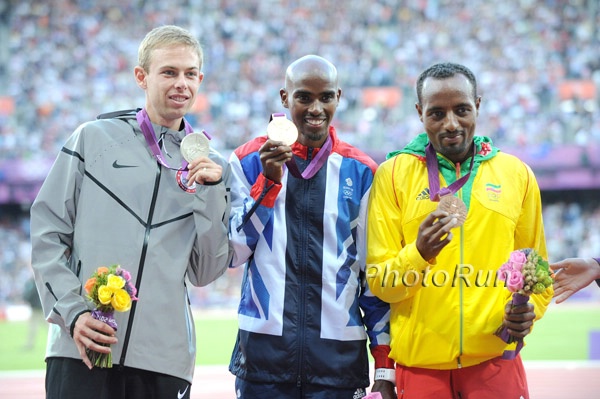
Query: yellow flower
(121, 300)
(115, 282)
(105, 294)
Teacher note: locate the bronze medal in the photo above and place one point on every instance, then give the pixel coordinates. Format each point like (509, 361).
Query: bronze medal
(454, 206)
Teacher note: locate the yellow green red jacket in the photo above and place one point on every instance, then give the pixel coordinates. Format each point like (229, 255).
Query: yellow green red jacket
(444, 313)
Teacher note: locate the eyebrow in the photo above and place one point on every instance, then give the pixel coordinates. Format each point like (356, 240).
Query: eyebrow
(461, 105)
(332, 92)
(174, 67)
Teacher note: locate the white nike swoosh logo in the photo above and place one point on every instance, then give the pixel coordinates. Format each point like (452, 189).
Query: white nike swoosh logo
(182, 394)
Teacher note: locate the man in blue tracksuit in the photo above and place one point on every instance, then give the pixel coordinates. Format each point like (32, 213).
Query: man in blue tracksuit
(298, 224)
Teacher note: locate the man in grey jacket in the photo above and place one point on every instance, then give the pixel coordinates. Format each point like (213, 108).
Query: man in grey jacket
(120, 192)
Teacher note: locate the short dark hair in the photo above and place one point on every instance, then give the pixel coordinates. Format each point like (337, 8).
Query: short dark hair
(445, 70)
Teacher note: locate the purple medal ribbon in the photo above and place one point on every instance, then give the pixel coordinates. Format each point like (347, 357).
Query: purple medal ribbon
(435, 193)
(105, 317)
(314, 165)
(150, 136)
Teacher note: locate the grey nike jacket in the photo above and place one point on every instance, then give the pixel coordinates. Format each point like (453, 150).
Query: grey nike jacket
(107, 201)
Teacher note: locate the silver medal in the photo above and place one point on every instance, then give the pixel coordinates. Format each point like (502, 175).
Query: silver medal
(194, 145)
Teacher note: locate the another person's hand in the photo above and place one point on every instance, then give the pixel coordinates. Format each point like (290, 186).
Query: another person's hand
(519, 319)
(91, 333)
(434, 234)
(204, 170)
(573, 274)
(273, 154)
(385, 388)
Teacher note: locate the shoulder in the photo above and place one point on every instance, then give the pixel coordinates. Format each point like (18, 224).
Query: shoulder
(349, 151)
(108, 126)
(402, 161)
(249, 147)
(509, 163)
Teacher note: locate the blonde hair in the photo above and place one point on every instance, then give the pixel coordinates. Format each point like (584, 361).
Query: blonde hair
(164, 36)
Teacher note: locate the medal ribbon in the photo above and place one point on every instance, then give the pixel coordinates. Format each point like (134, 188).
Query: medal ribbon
(435, 193)
(315, 164)
(148, 131)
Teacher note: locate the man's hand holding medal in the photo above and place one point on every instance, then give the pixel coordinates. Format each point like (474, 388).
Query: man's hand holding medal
(195, 149)
(276, 151)
(435, 231)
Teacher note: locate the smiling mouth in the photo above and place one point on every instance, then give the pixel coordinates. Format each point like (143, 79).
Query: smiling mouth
(314, 122)
(179, 99)
(453, 138)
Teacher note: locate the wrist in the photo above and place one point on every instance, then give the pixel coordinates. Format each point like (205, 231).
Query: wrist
(385, 375)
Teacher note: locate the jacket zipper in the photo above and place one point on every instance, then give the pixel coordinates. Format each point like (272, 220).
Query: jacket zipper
(141, 264)
(461, 253)
(302, 281)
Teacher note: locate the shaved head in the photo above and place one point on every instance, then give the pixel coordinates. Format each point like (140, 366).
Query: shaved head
(312, 95)
(310, 66)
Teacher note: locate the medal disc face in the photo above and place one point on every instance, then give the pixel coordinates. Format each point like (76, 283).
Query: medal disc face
(194, 145)
(454, 206)
(282, 129)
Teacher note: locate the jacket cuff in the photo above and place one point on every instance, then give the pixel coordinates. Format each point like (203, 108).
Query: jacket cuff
(381, 356)
(75, 320)
(263, 184)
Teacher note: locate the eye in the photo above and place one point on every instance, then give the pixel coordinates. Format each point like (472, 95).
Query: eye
(328, 98)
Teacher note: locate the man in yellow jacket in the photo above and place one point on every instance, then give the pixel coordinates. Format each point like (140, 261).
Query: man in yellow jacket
(445, 213)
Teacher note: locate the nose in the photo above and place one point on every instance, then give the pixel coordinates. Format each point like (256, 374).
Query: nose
(315, 107)
(181, 83)
(451, 122)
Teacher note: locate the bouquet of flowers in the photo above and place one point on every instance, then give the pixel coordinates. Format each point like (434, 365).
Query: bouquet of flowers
(110, 289)
(525, 273)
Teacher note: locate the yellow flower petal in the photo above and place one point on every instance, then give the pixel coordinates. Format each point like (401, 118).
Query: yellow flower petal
(121, 301)
(104, 294)
(115, 282)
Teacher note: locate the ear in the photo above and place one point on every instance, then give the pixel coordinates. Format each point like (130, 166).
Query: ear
(140, 77)
(477, 103)
(284, 97)
(419, 111)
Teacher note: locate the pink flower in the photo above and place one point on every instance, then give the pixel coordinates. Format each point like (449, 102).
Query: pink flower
(126, 275)
(517, 260)
(514, 281)
(132, 290)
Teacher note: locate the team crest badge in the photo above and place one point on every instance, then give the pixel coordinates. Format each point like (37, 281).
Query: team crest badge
(183, 183)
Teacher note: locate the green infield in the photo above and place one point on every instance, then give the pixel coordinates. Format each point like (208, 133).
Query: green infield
(563, 334)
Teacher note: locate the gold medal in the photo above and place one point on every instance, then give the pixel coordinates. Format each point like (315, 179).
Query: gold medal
(283, 130)
(454, 206)
(194, 145)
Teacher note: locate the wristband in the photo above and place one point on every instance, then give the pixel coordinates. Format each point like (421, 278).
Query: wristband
(386, 374)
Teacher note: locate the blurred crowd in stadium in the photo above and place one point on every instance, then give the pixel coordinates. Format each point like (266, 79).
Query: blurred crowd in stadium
(69, 60)
(65, 61)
